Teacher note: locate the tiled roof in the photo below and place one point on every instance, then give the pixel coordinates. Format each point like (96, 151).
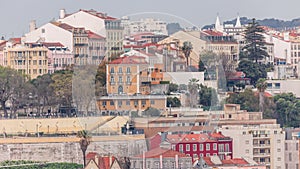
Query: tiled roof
(63, 25)
(93, 35)
(52, 44)
(226, 162)
(98, 14)
(213, 33)
(103, 162)
(129, 60)
(155, 153)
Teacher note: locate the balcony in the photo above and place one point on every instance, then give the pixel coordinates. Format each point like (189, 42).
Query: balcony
(260, 135)
(261, 145)
(256, 154)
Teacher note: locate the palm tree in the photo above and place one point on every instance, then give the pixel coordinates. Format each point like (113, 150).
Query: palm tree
(186, 49)
(261, 85)
(84, 142)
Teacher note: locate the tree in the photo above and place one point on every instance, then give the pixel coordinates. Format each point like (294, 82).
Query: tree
(287, 110)
(254, 71)
(11, 83)
(187, 49)
(173, 87)
(208, 97)
(254, 49)
(193, 88)
(173, 102)
(84, 142)
(101, 79)
(152, 112)
(247, 99)
(261, 85)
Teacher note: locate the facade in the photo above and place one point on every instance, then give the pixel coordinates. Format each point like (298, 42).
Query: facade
(148, 25)
(161, 158)
(264, 143)
(97, 49)
(31, 61)
(283, 86)
(292, 149)
(127, 103)
(114, 37)
(196, 145)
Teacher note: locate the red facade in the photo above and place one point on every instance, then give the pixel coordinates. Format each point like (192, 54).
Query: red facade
(197, 145)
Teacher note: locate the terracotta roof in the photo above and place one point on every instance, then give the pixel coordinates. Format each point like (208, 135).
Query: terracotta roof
(129, 60)
(226, 162)
(93, 35)
(98, 14)
(15, 40)
(152, 131)
(63, 25)
(213, 33)
(155, 153)
(52, 44)
(103, 162)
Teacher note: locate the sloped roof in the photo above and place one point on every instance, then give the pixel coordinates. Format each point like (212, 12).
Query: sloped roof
(93, 35)
(129, 60)
(157, 152)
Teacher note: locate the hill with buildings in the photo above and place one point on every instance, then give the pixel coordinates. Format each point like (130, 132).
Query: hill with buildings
(270, 22)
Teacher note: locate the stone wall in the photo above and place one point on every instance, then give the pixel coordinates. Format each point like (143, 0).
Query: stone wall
(69, 151)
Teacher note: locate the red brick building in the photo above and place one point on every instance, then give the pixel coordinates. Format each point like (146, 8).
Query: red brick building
(196, 145)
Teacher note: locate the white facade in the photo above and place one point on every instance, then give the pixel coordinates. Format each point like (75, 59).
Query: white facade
(282, 48)
(148, 25)
(51, 33)
(283, 86)
(86, 20)
(263, 143)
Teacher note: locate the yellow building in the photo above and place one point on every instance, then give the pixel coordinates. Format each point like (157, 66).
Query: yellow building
(131, 103)
(31, 61)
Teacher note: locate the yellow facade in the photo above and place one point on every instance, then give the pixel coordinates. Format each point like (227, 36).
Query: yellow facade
(32, 62)
(131, 103)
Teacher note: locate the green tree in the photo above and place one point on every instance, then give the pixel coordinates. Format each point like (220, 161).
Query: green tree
(187, 49)
(254, 71)
(84, 142)
(261, 86)
(208, 97)
(11, 83)
(254, 49)
(173, 102)
(193, 87)
(173, 87)
(287, 110)
(152, 112)
(247, 99)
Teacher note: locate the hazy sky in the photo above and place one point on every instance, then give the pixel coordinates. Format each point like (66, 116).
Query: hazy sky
(16, 14)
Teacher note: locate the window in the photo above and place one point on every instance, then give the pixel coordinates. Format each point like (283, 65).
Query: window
(201, 147)
(187, 147)
(173, 147)
(278, 141)
(215, 146)
(227, 147)
(221, 147)
(104, 103)
(112, 70)
(286, 146)
(120, 69)
(112, 79)
(207, 154)
(120, 79)
(207, 146)
(247, 141)
(128, 102)
(297, 146)
(247, 151)
(195, 156)
(120, 102)
(112, 103)
(201, 154)
(279, 159)
(128, 79)
(180, 148)
(128, 70)
(215, 154)
(136, 103)
(152, 102)
(194, 147)
(290, 157)
(278, 150)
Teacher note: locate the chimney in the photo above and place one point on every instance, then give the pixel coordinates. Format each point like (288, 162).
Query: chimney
(32, 26)
(62, 14)
(110, 160)
(97, 159)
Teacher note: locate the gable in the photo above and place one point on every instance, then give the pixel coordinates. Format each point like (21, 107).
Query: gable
(91, 165)
(115, 165)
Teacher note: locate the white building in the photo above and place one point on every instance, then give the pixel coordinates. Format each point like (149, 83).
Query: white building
(284, 86)
(148, 25)
(264, 143)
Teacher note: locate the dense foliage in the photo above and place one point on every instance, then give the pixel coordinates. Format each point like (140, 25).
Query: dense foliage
(38, 165)
(208, 97)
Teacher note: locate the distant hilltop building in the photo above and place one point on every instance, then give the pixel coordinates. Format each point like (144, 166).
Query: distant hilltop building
(230, 29)
(145, 25)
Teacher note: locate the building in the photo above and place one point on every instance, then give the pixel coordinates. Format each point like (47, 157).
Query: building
(196, 145)
(236, 163)
(96, 48)
(31, 61)
(114, 37)
(148, 25)
(264, 143)
(161, 158)
(96, 161)
(128, 103)
(59, 57)
(283, 86)
(292, 148)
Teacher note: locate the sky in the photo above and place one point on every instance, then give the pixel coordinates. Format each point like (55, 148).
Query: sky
(16, 14)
